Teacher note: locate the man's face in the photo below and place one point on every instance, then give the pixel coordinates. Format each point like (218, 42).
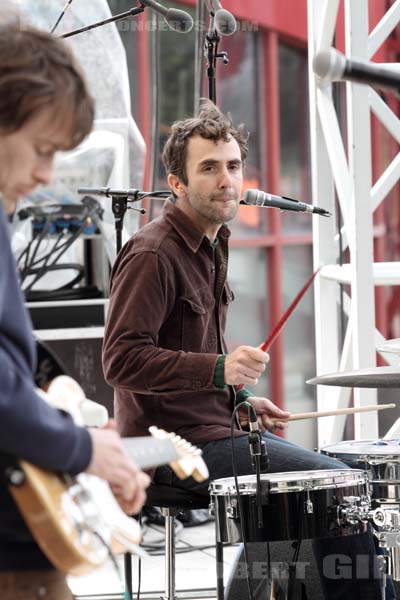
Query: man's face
(27, 155)
(215, 179)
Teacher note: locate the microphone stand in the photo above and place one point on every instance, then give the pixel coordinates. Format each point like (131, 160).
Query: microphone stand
(212, 40)
(129, 13)
(119, 204)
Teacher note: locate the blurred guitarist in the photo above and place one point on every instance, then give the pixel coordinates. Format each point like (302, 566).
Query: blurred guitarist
(44, 107)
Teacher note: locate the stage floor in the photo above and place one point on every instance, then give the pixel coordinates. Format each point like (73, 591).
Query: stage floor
(195, 567)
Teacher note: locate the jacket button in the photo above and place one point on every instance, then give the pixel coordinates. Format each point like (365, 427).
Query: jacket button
(197, 383)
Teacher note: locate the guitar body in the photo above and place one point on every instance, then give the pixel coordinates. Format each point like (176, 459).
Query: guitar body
(77, 521)
(45, 503)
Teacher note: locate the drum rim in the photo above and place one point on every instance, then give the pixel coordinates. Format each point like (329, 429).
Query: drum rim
(313, 481)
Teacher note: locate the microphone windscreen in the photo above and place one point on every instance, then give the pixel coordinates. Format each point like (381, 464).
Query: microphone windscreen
(329, 64)
(252, 197)
(225, 22)
(179, 20)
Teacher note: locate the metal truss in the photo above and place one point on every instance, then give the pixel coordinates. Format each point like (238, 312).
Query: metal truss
(344, 168)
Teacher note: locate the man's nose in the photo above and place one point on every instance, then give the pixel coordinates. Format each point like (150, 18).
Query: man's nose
(225, 178)
(43, 172)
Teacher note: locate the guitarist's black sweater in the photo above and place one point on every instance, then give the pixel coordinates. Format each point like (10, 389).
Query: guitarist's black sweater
(29, 428)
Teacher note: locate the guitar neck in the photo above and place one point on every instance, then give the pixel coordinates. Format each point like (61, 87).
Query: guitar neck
(148, 452)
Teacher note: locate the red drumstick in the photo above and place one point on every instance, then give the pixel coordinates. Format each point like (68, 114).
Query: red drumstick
(282, 321)
(279, 326)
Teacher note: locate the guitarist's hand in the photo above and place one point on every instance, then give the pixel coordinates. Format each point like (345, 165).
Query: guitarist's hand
(133, 506)
(110, 462)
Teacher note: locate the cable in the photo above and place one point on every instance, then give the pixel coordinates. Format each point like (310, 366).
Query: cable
(37, 268)
(241, 516)
(113, 560)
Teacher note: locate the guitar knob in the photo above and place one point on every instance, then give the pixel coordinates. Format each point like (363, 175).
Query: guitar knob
(15, 476)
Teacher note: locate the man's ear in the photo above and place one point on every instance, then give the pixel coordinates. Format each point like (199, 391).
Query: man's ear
(176, 185)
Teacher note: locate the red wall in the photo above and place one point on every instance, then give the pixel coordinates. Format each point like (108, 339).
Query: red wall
(288, 17)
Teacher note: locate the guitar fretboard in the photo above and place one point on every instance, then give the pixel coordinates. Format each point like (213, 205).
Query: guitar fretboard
(148, 452)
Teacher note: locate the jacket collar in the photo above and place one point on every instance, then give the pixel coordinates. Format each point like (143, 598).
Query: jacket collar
(187, 229)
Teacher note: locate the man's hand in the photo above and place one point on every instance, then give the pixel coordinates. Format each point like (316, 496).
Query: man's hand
(133, 506)
(265, 410)
(110, 462)
(245, 365)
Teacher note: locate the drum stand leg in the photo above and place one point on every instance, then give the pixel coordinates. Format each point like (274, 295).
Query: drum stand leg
(383, 568)
(219, 558)
(287, 588)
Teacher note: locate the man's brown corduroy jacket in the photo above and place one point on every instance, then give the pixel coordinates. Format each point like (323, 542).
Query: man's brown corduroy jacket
(164, 330)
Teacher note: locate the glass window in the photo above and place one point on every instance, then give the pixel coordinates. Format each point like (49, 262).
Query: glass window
(294, 126)
(248, 317)
(299, 344)
(129, 30)
(238, 93)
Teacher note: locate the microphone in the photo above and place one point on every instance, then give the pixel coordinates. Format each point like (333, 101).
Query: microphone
(132, 194)
(258, 198)
(225, 22)
(331, 65)
(178, 20)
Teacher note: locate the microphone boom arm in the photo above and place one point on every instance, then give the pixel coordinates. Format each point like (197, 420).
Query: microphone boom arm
(129, 13)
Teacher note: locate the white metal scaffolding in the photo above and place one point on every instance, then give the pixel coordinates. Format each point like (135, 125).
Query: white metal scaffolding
(344, 168)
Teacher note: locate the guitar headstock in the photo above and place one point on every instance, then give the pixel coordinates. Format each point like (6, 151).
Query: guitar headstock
(189, 461)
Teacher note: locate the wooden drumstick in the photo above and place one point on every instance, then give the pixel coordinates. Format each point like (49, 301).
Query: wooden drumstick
(331, 413)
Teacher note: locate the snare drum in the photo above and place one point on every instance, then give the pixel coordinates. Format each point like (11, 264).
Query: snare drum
(296, 505)
(381, 460)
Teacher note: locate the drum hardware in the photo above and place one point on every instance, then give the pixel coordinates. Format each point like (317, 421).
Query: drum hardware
(308, 504)
(380, 460)
(390, 541)
(232, 509)
(387, 518)
(354, 509)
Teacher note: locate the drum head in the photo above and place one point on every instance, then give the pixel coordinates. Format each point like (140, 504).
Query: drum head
(371, 448)
(292, 481)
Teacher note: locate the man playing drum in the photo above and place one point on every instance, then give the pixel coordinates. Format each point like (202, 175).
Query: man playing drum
(164, 346)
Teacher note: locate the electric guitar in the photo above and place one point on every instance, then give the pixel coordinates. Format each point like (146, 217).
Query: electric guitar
(77, 521)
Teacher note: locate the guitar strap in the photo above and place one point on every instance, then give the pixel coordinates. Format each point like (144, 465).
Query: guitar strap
(48, 366)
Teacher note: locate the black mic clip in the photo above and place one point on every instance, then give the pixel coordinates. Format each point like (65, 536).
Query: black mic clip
(257, 445)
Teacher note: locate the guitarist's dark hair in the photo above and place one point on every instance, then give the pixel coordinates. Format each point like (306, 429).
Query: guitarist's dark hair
(38, 71)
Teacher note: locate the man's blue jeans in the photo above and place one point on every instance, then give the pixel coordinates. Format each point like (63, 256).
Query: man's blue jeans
(285, 456)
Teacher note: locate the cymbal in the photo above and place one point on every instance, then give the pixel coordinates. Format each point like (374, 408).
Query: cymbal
(373, 377)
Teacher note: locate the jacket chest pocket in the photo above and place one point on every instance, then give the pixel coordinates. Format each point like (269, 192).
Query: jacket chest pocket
(227, 298)
(198, 325)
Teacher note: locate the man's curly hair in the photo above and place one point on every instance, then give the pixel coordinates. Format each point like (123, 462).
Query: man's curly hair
(210, 124)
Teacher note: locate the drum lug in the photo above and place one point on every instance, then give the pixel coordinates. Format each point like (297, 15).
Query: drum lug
(308, 503)
(232, 508)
